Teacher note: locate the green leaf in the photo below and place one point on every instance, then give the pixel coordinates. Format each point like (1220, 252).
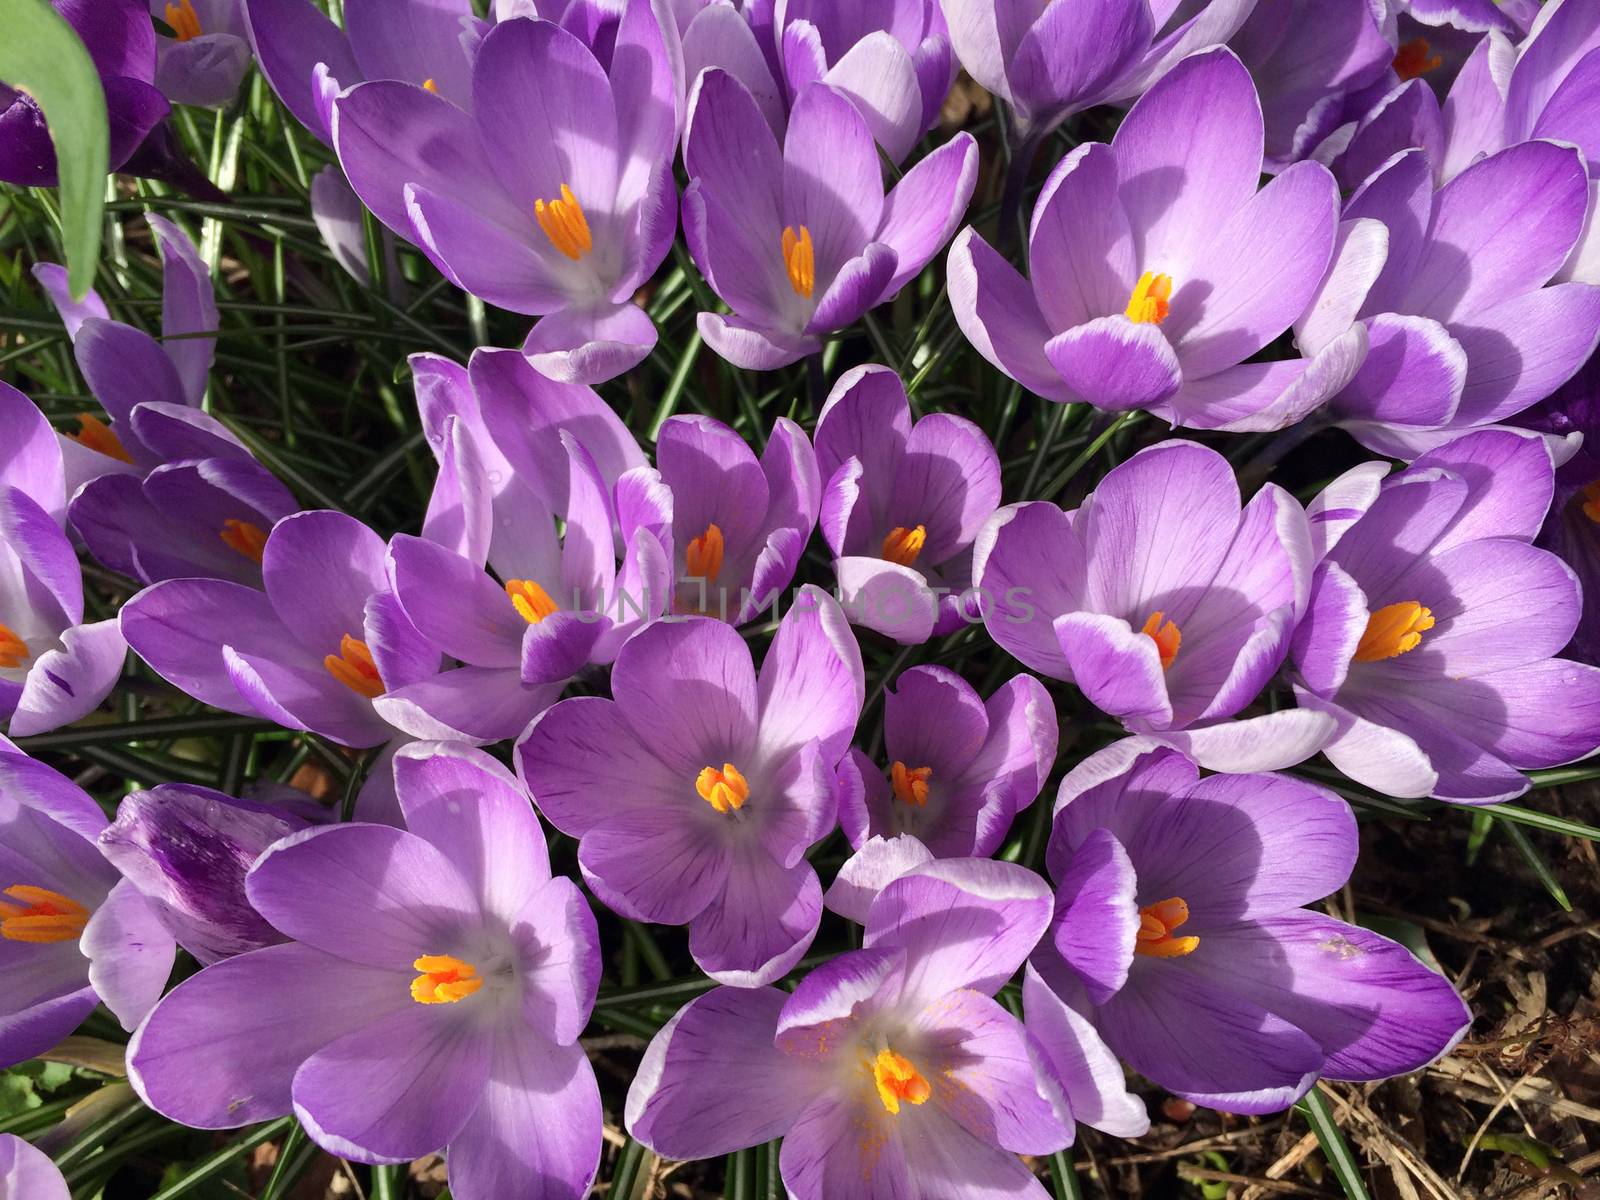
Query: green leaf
(1337, 1151)
(17, 1094)
(41, 55)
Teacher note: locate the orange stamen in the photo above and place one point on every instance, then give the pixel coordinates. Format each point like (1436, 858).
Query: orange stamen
(896, 1080)
(96, 434)
(725, 790)
(244, 537)
(910, 784)
(1591, 501)
(354, 668)
(1165, 635)
(40, 915)
(185, 22)
(12, 648)
(1413, 59)
(532, 602)
(431, 86)
(1148, 304)
(1393, 630)
(1156, 923)
(444, 979)
(564, 224)
(703, 558)
(799, 260)
(902, 545)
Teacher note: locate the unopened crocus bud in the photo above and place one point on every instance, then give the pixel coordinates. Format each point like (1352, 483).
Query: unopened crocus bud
(188, 850)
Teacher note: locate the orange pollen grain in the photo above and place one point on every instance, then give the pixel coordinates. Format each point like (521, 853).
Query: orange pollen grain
(564, 224)
(703, 558)
(902, 545)
(725, 790)
(184, 21)
(97, 436)
(354, 668)
(897, 1080)
(910, 784)
(1148, 304)
(1156, 923)
(1413, 59)
(40, 915)
(12, 648)
(1393, 630)
(444, 979)
(1165, 635)
(431, 86)
(244, 537)
(799, 260)
(532, 602)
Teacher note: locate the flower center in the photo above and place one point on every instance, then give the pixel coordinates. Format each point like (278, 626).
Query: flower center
(704, 555)
(1413, 59)
(354, 668)
(445, 979)
(898, 1080)
(40, 915)
(1148, 304)
(564, 224)
(185, 22)
(725, 790)
(910, 783)
(431, 86)
(1392, 630)
(1591, 501)
(12, 648)
(799, 260)
(903, 545)
(244, 537)
(530, 600)
(1156, 923)
(96, 434)
(1165, 635)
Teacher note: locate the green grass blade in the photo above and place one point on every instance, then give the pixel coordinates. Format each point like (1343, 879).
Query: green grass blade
(1337, 1151)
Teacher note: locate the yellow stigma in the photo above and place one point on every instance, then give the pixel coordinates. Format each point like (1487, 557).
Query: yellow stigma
(902, 545)
(898, 1080)
(431, 86)
(185, 22)
(12, 648)
(1393, 630)
(40, 915)
(354, 668)
(564, 224)
(799, 260)
(910, 784)
(1165, 635)
(444, 979)
(725, 790)
(703, 558)
(530, 600)
(1156, 923)
(1591, 501)
(244, 537)
(1413, 59)
(1148, 304)
(96, 434)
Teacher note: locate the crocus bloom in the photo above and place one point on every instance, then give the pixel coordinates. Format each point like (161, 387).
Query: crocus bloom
(1462, 329)
(739, 524)
(431, 995)
(73, 933)
(552, 201)
(187, 849)
(902, 504)
(208, 54)
(960, 767)
(1179, 933)
(891, 1070)
(27, 1173)
(799, 239)
(122, 45)
(1145, 296)
(1433, 625)
(54, 666)
(316, 649)
(697, 790)
(893, 61)
(1052, 60)
(1165, 602)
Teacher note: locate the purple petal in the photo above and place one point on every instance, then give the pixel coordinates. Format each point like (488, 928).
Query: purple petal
(1081, 251)
(1088, 1072)
(590, 345)
(1117, 669)
(1523, 348)
(996, 309)
(1029, 565)
(761, 924)
(130, 954)
(582, 763)
(1114, 363)
(29, 1172)
(290, 38)
(879, 78)
(812, 686)
(923, 209)
(67, 684)
(455, 605)
(319, 569)
(1097, 917)
(832, 183)
(845, 1148)
(878, 863)
(663, 863)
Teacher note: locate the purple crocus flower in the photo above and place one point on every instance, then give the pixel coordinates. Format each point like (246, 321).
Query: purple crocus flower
(1147, 296)
(1462, 329)
(1179, 934)
(902, 504)
(739, 524)
(551, 200)
(54, 667)
(697, 790)
(122, 45)
(892, 61)
(73, 933)
(800, 239)
(187, 849)
(1052, 60)
(1168, 604)
(431, 995)
(208, 54)
(960, 767)
(1406, 641)
(27, 1173)
(891, 1070)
